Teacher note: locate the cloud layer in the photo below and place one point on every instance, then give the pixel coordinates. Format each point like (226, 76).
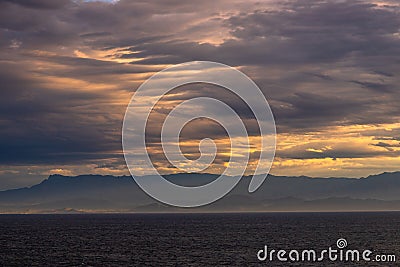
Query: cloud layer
(328, 68)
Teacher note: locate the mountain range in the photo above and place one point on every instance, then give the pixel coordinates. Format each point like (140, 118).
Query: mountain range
(97, 193)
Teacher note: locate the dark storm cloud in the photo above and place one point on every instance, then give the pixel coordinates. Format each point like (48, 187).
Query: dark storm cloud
(92, 70)
(321, 31)
(312, 39)
(389, 147)
(380, 87)
(40, 4)
(311, 111)
(42, 124)
(330, 35)
(303, 32)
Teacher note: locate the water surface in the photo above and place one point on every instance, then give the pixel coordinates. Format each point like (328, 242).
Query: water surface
(186, 239)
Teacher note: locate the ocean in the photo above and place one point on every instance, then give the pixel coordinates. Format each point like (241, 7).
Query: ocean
(232, 239)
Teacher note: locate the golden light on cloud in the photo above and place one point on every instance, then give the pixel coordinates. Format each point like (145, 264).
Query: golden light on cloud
(342, 151)
(351, 150)
(113, 55)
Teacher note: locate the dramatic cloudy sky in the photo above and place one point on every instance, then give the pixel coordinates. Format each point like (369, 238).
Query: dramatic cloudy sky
(329, 70)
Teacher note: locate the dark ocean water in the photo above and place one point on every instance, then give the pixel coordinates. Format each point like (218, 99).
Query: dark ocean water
(188, 239)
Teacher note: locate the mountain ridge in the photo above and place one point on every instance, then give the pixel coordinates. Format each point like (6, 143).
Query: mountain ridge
(107, 193)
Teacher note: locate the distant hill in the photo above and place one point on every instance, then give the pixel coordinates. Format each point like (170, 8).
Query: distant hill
(96, 193)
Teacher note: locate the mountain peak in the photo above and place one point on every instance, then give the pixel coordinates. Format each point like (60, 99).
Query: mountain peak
(106, 192)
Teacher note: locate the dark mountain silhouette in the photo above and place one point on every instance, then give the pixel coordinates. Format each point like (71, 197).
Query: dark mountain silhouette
(96, 193)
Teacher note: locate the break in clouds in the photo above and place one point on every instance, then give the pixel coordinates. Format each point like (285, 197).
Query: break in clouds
(328, 68)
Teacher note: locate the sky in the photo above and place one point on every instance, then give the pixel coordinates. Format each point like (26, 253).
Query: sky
(329, 70)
